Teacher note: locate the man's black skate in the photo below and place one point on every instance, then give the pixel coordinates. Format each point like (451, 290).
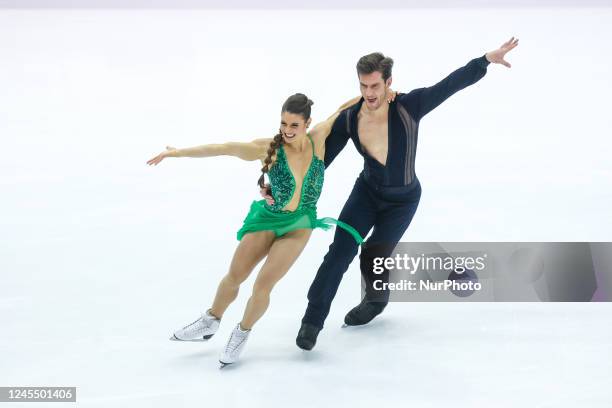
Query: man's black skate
(363, 313)
(307, 336)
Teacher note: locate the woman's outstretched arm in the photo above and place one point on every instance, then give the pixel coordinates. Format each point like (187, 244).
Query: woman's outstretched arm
(243, 150)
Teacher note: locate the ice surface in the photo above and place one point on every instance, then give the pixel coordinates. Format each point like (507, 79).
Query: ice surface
(103, 257)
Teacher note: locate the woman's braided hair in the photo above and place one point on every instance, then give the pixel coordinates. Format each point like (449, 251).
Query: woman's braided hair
(298, 104)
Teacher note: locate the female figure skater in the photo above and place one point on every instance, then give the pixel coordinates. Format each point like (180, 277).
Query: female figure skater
(294, 164)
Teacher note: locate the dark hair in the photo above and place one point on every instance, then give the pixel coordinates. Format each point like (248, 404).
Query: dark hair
(298, 104)
(375, 62)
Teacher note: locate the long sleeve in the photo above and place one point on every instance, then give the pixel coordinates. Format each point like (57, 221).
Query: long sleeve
(421, 101)
(337, 139)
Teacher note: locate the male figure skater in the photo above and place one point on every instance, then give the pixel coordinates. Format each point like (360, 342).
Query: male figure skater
(387, 192)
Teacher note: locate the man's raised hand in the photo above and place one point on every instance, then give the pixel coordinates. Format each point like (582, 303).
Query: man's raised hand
(497, 56)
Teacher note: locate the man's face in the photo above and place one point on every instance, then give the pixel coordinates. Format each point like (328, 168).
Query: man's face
(373, 89)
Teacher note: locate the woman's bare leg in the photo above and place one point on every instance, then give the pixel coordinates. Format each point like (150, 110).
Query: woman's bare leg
(283, 253)
(252, 248)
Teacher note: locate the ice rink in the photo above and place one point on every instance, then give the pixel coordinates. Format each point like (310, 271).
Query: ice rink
(103, 257)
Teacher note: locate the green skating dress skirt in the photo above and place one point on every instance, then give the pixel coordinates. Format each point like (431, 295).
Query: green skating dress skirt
(261, 218)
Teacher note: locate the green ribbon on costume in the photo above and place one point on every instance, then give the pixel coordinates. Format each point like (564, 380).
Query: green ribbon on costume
(326, 221)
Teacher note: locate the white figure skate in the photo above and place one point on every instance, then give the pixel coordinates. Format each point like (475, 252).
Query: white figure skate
(200, 330)
(234, 346)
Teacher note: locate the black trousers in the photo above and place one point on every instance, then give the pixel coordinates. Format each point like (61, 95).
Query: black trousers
(389, 210)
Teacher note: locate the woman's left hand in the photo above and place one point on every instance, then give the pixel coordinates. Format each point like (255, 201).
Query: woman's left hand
(391, 94)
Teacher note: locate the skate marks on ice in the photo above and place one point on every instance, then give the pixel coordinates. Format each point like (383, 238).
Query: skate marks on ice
(389, 328)
(135, 399)
(195, 357)
(286, 352)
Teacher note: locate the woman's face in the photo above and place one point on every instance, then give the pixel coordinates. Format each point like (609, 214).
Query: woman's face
(293, 127)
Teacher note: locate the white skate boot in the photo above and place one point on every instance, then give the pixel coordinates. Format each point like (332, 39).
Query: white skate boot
(200, 330)
(234, 346)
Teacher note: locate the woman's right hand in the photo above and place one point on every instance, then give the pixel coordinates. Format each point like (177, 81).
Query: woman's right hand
(265, 193)
(167, 153)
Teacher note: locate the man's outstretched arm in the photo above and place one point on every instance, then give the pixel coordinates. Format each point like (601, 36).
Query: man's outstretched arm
(421, 101)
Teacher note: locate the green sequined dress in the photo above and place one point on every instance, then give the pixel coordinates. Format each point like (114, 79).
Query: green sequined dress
(262, 216)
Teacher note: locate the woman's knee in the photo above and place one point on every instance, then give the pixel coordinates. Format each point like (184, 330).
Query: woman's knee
(235, 277)
(263, 288)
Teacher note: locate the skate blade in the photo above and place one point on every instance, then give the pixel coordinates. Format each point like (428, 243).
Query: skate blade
(344, 326)
(223, 364)
(205, 338)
